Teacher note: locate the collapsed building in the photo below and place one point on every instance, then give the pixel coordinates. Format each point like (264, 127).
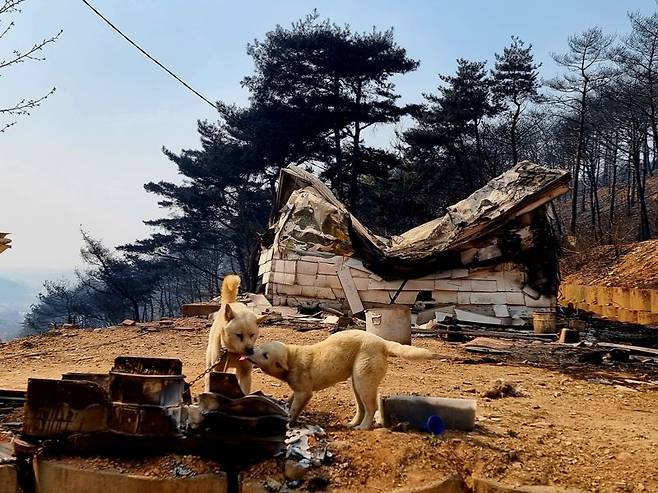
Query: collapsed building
(5, 243)
(492, 257)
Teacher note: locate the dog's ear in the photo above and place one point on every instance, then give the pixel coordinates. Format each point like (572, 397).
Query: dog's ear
(261, 318)
(228, 313)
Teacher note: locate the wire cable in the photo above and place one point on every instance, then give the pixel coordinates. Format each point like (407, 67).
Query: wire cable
(147, 55)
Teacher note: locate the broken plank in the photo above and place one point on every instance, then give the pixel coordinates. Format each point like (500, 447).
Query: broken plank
(476, 318)
(351, 293)
(634, 349)
(498, 334)
(328, 309)
(485, 350)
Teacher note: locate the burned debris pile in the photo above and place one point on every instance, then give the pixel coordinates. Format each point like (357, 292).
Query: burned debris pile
(144, 406)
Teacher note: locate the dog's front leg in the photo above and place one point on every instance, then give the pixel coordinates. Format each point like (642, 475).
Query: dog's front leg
(243, 373)
(299, 401)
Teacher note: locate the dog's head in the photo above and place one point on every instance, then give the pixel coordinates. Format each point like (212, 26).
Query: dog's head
(272, 358)
(240, 332)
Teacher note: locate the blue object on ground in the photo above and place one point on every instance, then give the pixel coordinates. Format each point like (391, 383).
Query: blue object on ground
(434, 425)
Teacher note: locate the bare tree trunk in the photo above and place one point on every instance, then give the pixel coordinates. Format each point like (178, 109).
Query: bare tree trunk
(595, 189)
(628, 182)
(579, 155)
(338, 150)
(515, 121)
(644, 230)
(356, 148)
(592, 214)
(135, 306)
(613, 187)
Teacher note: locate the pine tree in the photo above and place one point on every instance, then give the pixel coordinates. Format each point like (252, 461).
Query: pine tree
(515, 83)
(446, 146)
(340, 82)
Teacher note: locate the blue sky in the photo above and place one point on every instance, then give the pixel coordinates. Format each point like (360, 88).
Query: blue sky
(82, 158)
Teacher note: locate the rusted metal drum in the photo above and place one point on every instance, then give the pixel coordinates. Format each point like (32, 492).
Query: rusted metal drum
(544, 322)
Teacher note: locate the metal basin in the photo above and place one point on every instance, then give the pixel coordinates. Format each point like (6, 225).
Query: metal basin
(158, 390)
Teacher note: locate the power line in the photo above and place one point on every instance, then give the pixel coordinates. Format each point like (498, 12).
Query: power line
(149, 56)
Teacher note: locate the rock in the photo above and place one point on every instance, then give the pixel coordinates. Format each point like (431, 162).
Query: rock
(500, 388)
(295, 470)
(624, 456)
(381, 430)
(128, 322)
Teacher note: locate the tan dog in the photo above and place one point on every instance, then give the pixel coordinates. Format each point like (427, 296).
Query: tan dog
(351, 353)
(234, 328)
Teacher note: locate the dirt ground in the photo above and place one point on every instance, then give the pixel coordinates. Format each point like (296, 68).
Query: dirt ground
(571, 428)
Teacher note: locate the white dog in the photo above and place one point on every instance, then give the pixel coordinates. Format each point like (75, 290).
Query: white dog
(235, 328)
(351, 353)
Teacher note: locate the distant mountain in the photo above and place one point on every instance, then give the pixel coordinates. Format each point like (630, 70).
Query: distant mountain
(15, 299)
(13, 291)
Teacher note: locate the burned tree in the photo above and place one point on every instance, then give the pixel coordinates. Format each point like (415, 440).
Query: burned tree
(515, 84)
(446, 144)
(588, 70)
(339, 82)
(14, 109)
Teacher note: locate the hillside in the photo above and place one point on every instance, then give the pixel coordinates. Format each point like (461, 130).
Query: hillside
(625, 222)
(633, 265)
(15, 297)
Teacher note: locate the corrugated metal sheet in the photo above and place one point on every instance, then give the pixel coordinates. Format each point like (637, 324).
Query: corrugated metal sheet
(5, 242)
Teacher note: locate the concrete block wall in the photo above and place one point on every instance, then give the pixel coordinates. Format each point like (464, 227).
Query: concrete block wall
(292, 278)
(632, 305)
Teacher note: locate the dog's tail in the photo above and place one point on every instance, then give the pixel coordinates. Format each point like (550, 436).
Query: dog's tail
(230, 287)
(408, 352)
